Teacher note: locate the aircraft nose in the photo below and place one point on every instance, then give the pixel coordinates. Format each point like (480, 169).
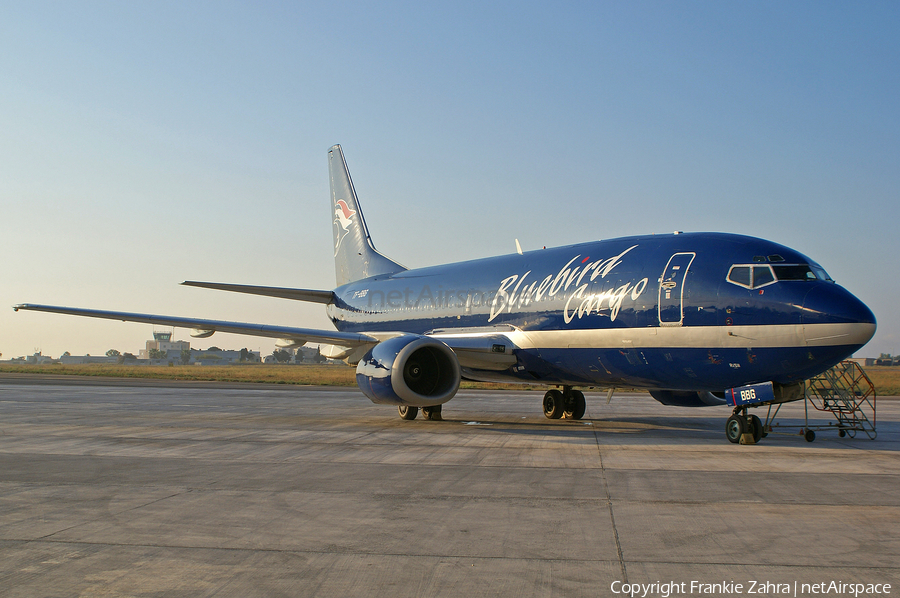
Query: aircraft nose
(850, 321)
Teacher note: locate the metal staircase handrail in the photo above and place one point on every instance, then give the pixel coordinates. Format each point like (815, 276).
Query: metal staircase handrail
(847, 393)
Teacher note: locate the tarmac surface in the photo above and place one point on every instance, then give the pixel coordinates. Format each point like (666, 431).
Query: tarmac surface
(150, 488)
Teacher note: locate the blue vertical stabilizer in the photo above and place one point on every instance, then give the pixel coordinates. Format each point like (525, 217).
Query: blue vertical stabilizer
(355, 257)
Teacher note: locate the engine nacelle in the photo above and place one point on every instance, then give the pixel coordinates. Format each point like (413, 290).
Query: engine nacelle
(680, 398)
(409, 370)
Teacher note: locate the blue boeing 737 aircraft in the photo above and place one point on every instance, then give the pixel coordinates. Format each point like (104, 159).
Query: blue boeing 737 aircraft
(685, 316)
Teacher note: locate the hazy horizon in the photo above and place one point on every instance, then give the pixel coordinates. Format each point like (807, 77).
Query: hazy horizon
(147, 144)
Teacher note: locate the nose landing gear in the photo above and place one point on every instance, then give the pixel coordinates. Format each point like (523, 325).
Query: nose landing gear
(743, 428)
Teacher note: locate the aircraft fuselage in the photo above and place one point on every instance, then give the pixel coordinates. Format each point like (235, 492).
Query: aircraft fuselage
(675, 311)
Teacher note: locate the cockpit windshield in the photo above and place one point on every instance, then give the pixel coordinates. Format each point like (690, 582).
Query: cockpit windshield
(754, 276)
(794, 272)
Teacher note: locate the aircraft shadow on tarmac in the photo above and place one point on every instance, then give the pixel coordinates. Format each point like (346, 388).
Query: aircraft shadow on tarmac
(678, 430)
(589, 427)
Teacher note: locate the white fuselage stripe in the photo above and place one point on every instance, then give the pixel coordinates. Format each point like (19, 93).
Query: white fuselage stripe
(737, 337)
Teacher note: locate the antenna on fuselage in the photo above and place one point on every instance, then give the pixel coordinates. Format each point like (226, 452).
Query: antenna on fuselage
(518, 247)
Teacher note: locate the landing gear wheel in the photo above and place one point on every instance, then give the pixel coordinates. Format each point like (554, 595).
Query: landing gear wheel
(734, 427)
(575, 404)
(810, 436)
(432, 413)
(842, 433)
(407, 412)
(554, 404)
(756, 427)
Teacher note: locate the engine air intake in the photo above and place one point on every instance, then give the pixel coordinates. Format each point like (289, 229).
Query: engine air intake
(409, 370)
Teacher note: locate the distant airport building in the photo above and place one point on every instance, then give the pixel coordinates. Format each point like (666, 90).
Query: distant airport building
(37, 359)
(79, 359)
(887, 359)
(162, 342)
(215, 356)
(298, 355)
(308, 355)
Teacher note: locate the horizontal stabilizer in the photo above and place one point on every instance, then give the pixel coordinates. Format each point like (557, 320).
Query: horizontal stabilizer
(313, 296)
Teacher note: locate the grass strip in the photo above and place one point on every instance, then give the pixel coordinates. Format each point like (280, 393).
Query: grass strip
(885, 378)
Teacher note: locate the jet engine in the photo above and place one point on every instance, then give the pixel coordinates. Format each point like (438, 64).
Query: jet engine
(409, 370)
(680, 398)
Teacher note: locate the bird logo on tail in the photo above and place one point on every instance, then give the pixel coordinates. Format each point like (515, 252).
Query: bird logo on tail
(343, 218)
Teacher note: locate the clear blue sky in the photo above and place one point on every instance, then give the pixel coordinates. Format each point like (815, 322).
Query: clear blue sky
(145, 143)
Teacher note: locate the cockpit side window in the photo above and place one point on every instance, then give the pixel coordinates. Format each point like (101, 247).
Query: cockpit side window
(820, 272)
(751, 276)
(740, 275)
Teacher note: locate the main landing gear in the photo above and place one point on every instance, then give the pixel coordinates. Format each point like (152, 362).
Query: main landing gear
(569, 403)
(743, 428)
(433, 413)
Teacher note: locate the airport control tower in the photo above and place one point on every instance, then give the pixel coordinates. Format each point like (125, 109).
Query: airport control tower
(164, 336)
(162, 341)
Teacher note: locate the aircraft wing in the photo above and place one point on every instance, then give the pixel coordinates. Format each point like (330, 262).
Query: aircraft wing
(205, 328)
(475, 348)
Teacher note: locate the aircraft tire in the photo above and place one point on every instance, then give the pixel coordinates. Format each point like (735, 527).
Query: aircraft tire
(810, 436)
(432, 413)
(575, 404)
(407, 412)
(554, 404)
(734, 427)
(756, 427)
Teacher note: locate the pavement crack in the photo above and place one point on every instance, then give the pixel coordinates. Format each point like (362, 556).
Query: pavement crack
(48, 537)
(609, 506)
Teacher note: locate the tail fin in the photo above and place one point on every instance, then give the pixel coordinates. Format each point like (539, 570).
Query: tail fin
(355, 256)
